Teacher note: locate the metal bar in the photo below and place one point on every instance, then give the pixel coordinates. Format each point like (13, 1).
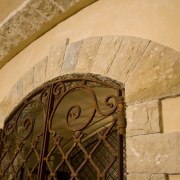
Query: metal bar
(46, 136)
(121, 125)
(120, 157)
(101, 167)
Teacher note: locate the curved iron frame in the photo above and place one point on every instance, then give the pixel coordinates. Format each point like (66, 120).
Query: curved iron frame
(45, 97)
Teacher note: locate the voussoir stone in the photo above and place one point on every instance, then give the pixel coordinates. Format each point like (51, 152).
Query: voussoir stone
(55, 59)
(28, 82)
(13, 98)
(11, 37)
(154, 153)
(20, 24)
(159, 177)
(106, 53)
(40, 72)
(66, 4)
(156, 75)
(32, 16)
(71, 57)
(143, 118)
(46, 8)
(87, 54)
(127, 57)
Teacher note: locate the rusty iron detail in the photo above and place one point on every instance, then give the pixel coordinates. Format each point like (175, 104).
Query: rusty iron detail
(68, 129)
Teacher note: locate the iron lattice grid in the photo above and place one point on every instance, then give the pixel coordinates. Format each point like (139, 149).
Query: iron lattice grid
(26, 154)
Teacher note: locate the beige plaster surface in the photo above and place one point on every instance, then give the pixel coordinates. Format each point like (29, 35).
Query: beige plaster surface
(154, 20)
(7, 6)
(171, 115)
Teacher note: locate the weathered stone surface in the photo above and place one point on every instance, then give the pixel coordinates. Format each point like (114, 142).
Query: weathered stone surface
(158, 177)
(22, 26)
(10, 37)
(171, 114)
(143, 118)
(106, 53)
(12, 99)
(46, 8)
(127, 57)
(155, 153)
(40, 72)
(32, 16)
(4, 47)
(55, 59)
(71, 57)
(66, 4)
(30, 20)
(156, 75)
(144, 176)
(28, 82)
(87, 54)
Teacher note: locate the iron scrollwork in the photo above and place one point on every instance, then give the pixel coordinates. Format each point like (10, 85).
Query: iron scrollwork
(46, 128)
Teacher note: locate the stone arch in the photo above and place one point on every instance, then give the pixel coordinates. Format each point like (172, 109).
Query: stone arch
(148, 71)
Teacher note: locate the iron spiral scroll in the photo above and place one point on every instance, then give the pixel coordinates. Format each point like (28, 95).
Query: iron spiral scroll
(68, 119)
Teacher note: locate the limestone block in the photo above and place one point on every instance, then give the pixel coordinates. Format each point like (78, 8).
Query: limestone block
(143, 118)
(10, 37)
(39, 72)
(156, 75)
(22, 26)
(28, 82)
(155, 153)
(158, 177)
(12, 99)
(171, 114)
(55, 59)
(142, 176)
(65, 4)
(127, 57)
(174, 177)
(106, 53)
(46, 8)
(71, 57)
(32, 16)
(87, 54)
(4, 47)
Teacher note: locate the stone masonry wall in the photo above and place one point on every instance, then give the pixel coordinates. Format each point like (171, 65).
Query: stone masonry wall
(150, 73)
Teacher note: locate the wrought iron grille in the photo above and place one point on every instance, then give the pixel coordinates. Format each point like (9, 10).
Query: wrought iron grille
(68, 129)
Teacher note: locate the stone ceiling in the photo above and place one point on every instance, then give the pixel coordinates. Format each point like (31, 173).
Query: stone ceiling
(32, 19)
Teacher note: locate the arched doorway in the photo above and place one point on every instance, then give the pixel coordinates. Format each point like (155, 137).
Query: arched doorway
(67, 129)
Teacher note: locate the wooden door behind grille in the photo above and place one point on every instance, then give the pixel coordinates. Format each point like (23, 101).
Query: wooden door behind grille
(68, 129)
